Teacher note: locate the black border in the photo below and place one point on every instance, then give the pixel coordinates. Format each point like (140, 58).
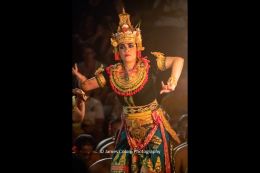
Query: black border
(40, 102)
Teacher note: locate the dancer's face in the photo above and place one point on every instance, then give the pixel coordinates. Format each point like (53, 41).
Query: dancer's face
(127, 52)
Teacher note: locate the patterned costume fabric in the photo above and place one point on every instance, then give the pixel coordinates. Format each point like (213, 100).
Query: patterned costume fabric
(146, 139)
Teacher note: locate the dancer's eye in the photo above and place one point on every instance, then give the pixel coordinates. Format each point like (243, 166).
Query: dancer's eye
(121, 46)
(131, 45)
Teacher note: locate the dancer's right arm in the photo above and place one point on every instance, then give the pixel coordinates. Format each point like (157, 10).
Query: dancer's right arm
(85, 84)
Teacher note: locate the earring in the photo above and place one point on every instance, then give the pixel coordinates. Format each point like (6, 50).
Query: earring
(116, 54)
(138, 54)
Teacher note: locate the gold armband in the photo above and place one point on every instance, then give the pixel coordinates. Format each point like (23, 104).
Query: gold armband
(101, 80)
(100, 77)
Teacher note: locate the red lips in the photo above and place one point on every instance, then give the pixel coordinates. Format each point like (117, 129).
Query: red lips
(127, 54)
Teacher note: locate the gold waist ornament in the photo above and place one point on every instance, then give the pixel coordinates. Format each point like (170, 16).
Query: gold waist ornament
(143, 115)
(137, 111)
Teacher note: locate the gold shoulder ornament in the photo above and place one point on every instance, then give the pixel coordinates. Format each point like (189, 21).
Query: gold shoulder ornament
(160, 59)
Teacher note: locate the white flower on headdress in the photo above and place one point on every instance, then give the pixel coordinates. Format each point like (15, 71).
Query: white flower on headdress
(125, 27)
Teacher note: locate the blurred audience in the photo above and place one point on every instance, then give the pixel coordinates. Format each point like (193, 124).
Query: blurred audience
(114, 127)
(182, 128)
(181, 158)
(78, 105)
(94, 119)
(101, 166)
(84, 149)
(89, 63)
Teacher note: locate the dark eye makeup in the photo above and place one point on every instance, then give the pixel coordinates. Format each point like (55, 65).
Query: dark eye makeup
(121, 46)
(129, 45)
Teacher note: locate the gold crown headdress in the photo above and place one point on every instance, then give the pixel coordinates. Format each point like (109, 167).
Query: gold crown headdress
(126, 33)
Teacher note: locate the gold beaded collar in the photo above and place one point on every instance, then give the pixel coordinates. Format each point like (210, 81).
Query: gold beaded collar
(128, 85)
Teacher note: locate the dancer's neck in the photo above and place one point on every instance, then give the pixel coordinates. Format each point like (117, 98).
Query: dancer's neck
(130, 65)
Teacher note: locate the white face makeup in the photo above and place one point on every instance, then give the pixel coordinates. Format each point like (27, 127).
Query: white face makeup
(127, 52)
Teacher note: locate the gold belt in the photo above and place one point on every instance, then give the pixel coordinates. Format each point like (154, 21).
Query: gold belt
(140, 109)
(139, 119)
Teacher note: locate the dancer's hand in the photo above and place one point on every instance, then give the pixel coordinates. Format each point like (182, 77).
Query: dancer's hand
(78, 75)
(167, 88)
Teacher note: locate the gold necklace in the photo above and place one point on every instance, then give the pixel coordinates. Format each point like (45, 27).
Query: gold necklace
(135, 81)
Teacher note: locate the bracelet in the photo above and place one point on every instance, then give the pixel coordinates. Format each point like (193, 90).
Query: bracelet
(172, 81)
(101, 80)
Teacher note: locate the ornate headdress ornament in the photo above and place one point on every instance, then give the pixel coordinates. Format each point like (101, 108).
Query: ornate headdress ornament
(126, 33)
